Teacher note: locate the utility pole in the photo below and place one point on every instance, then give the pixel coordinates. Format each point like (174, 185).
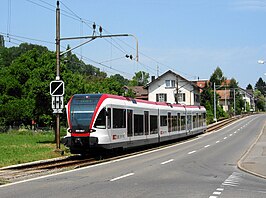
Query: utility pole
(176, 98)
(57, 71)
(234, 101)
(214, 103)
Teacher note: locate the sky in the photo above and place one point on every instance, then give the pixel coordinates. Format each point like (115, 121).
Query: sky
(189, 37)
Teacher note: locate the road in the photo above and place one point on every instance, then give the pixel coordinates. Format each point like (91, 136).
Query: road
(202, 167)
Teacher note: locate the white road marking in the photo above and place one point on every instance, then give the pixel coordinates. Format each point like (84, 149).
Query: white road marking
(212, 196)
(216, 193)
(168, 161)
(235, 132)
(206, 146)
(217, 141)
(230, 134)
(121, 177)
(192, 152)
(232, 180)
(219, 189)
(225, 138)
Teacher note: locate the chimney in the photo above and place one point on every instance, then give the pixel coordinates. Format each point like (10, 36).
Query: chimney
(152, 78)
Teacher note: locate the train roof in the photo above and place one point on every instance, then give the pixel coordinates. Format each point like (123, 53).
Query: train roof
(135, 101)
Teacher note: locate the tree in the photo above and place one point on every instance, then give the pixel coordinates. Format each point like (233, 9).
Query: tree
(217, 77)
(120, 79)
(2, 41)
(259, 100)
(249, 87)
(261, 86)
(141, 78)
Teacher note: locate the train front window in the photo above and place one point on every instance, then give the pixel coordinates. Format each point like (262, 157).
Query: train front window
(81, 112)
(100, 122)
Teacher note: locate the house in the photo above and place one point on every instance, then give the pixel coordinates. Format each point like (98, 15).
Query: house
(173, 88)
(139, 91)
(226, 98)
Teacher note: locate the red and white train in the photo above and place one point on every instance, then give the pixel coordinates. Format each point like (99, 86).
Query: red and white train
(110, 121)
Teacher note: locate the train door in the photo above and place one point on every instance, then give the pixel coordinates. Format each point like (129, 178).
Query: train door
(109, 121)
(129, 123)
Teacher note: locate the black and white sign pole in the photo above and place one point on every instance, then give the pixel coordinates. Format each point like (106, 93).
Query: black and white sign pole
(57, 133)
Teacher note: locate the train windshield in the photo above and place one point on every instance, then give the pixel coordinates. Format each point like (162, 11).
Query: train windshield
(81, 111)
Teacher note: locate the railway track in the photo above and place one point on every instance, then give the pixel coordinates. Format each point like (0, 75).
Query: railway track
(30, 170)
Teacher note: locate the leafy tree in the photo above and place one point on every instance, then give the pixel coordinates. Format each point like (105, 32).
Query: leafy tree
(2, 41)
(249, 87)
(141, 78)
(259, 100)
(120, 79)
(261, 86)
(217, 77)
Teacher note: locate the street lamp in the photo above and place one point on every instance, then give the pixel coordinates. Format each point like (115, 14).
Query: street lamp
(261, 61)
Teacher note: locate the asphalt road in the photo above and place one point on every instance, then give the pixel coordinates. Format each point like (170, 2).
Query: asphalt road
(202, 167)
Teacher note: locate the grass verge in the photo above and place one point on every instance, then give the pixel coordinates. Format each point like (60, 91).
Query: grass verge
(18, 147)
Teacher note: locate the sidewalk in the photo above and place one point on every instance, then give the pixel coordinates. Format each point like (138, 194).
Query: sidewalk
(254, 160)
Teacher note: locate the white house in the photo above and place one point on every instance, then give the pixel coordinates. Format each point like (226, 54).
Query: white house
(165, 89)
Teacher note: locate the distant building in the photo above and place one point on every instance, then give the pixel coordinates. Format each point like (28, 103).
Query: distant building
(226, 99)
(139, 91)
(173, 88)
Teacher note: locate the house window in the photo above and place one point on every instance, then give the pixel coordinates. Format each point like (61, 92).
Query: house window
(170, 83)
(197, 98)
(181, 97)
(161, 97)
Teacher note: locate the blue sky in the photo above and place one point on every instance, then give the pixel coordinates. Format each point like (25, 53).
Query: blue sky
(190, 37)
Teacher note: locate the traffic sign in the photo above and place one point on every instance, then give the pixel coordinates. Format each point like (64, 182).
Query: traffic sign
(57, 104)
(57, 88)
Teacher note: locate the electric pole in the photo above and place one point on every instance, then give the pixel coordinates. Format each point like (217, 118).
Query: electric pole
(57, 135)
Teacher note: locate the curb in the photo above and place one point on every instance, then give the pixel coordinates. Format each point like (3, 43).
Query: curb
(241, 160)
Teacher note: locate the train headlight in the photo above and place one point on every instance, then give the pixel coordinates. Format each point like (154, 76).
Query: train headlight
(69, 130)
(92, 130)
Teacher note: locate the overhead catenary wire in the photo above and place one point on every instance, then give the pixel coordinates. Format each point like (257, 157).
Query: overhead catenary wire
(71, 14)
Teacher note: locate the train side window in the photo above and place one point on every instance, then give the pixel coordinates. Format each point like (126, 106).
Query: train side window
(204, 118)
(195, 125)
(100, 122)
(189, 122)
(178, 122)
(138, 124)
(163, 120)
(119, 118)
(183, 122)
(109, 118)
(154, 124)
(174, 123)
(146, 121)
(169, 120)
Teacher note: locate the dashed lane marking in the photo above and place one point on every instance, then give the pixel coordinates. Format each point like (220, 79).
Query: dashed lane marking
(192, 152)
(121, 177)
(206, 146)
(168, 161)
